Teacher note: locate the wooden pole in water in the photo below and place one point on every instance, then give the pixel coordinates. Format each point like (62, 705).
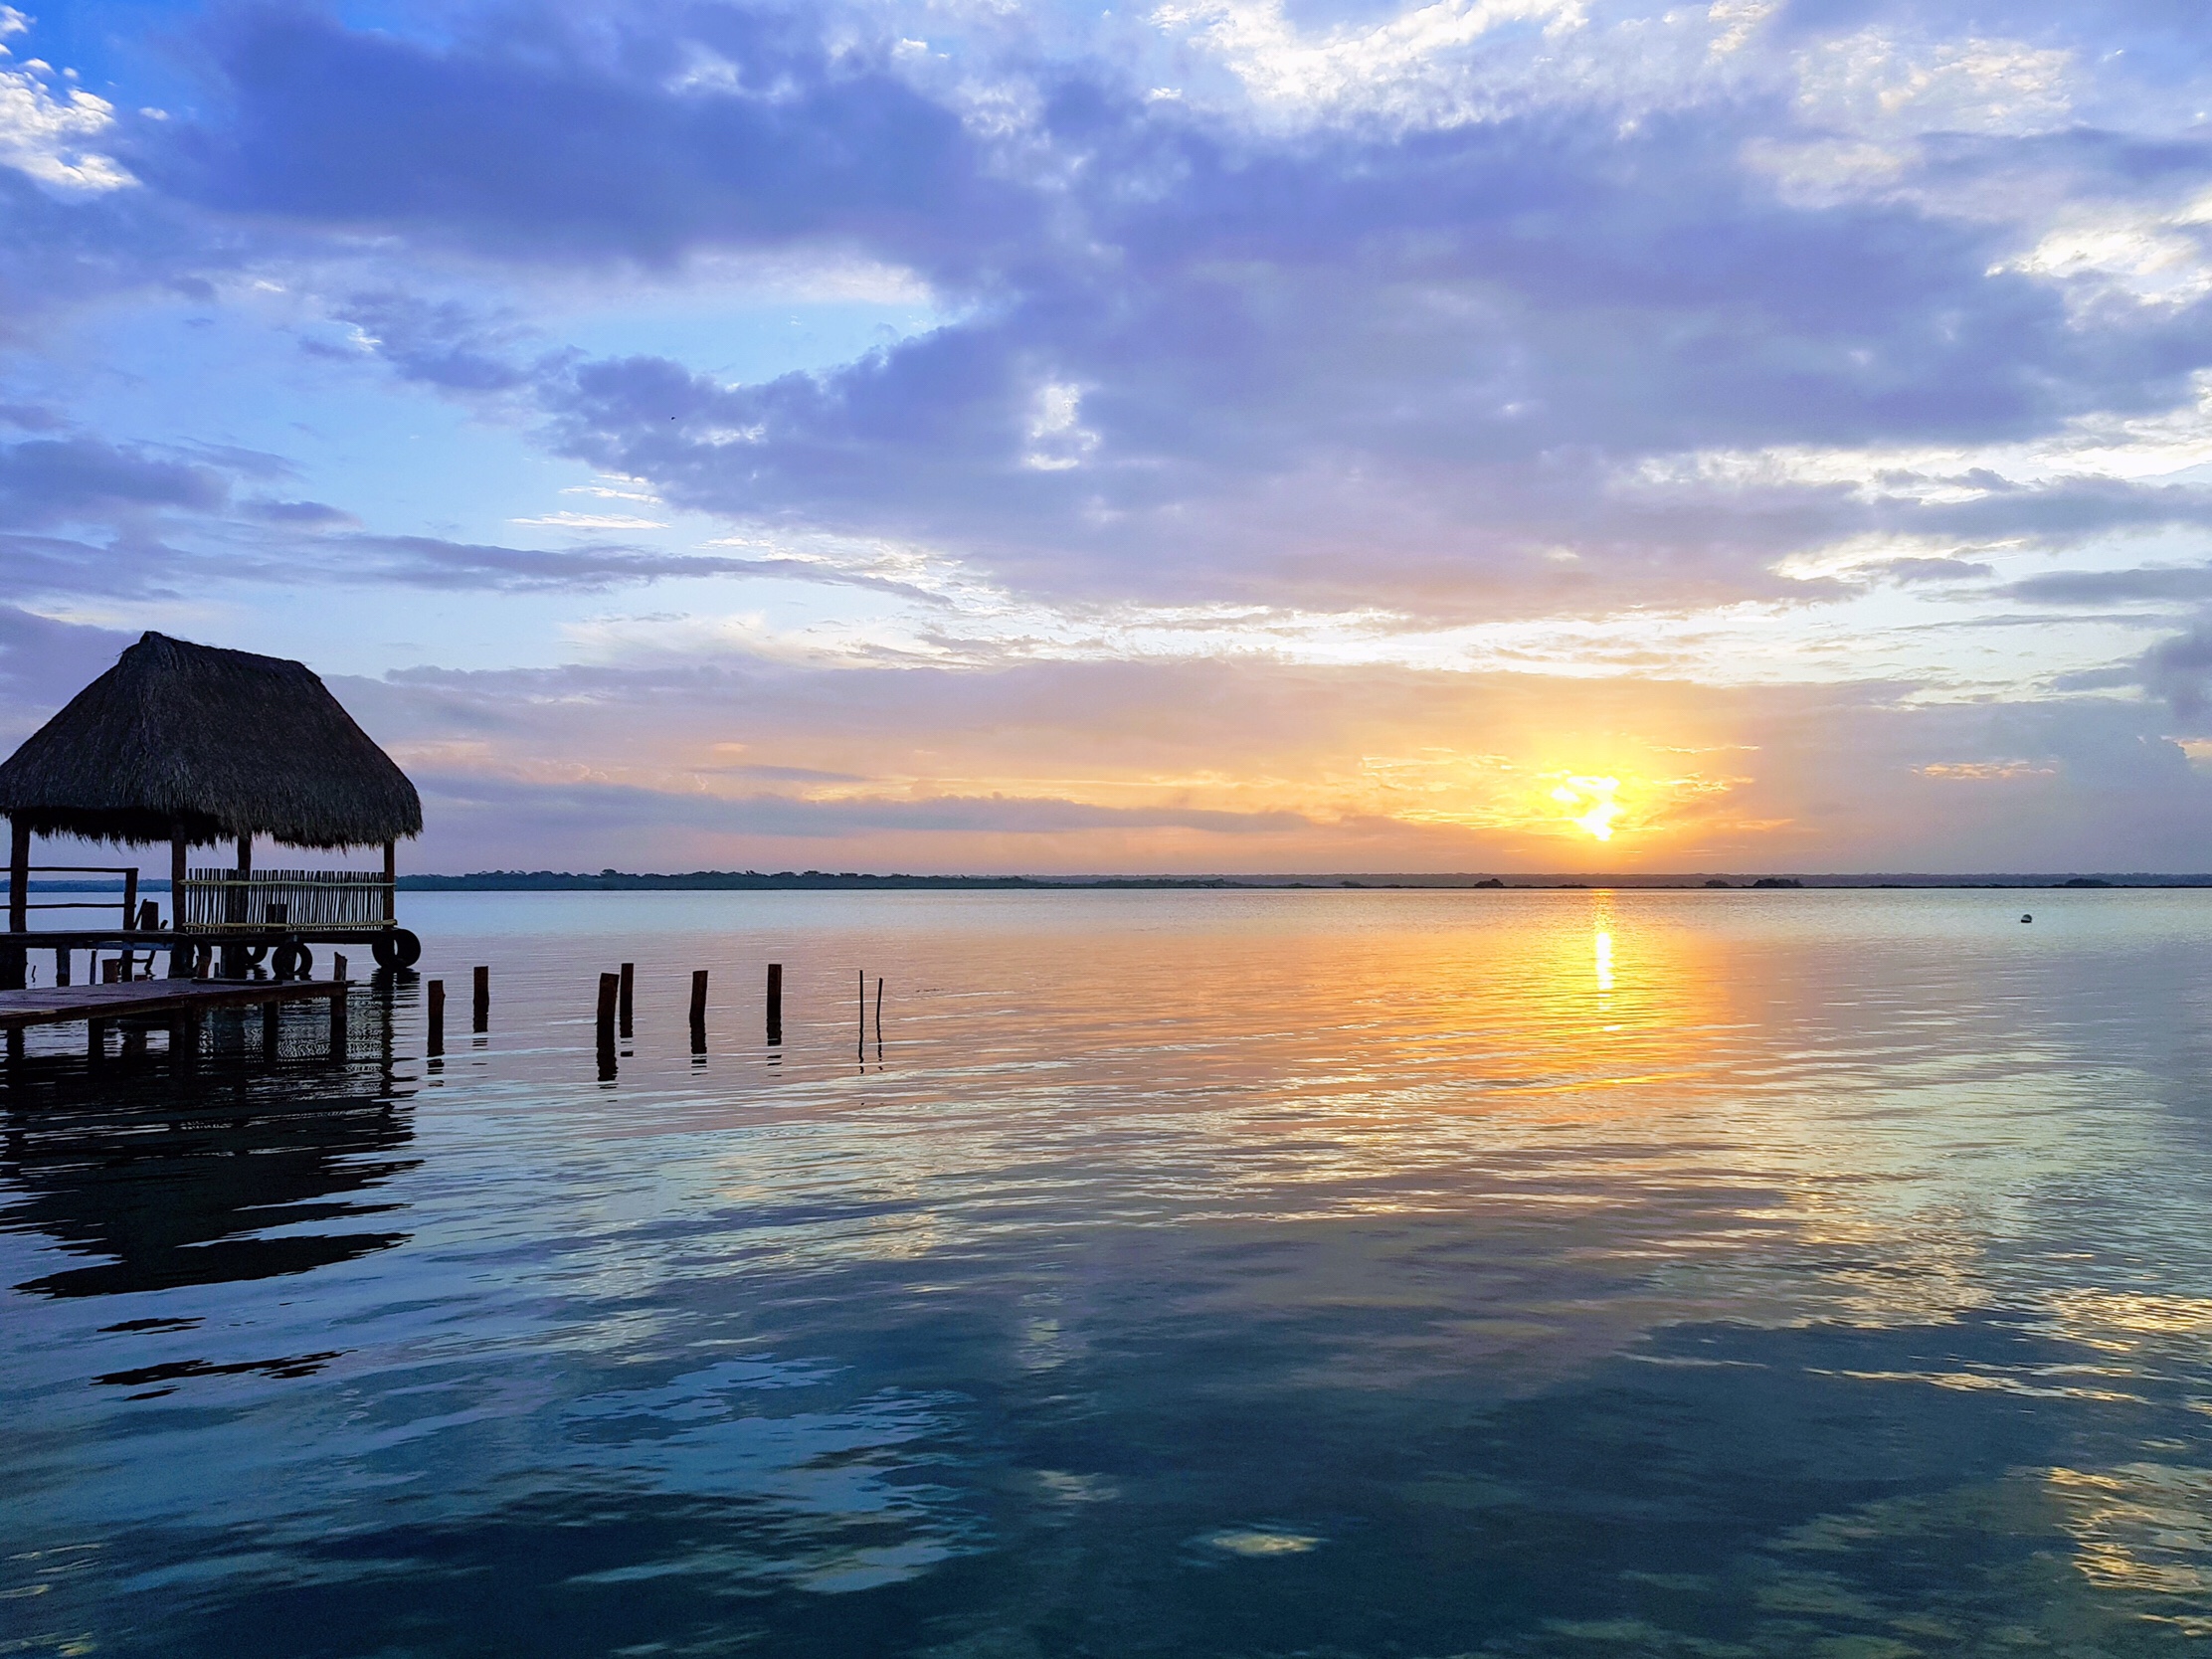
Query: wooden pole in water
(436, 1039)
(699, 1010)
(879, 1011)
(391, 877)
(338, 1015)
(776, 1001)
(338, 969)
(610, 989)
(482, 1007)
(629, 973)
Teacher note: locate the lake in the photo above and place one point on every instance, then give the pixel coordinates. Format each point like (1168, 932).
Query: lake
(1819, 1273)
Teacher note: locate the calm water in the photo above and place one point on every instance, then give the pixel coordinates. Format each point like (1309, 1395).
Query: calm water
(1812, 1273)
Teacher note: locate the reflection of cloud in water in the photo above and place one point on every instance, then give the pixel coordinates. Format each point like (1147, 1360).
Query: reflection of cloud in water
(2145, 1529)
(1260, 1543)
(824, 1500)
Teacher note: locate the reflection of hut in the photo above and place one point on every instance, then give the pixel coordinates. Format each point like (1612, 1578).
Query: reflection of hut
(229, 1171)
(192, 744)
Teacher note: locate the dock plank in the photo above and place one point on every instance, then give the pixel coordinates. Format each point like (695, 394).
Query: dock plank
(61, 1004)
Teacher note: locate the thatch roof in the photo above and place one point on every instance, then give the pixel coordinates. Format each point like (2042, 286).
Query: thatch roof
(179, 738)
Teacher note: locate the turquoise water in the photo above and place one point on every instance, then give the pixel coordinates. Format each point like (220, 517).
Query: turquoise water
(1820, 1273)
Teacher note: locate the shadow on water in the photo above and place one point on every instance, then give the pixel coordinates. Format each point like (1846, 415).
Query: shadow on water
(167, 1171)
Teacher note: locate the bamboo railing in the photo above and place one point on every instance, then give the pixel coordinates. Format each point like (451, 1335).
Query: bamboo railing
(321, 902)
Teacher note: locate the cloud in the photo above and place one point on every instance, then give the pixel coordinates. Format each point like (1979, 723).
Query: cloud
(444, 342)
(1276, 396)
(2184, 583)
(42, 663)
(638, 135)
(428, 561)
(1345, 769)
(606, 807)
(47, 133)
(54, 480)
(306, 516)
(2179, 669)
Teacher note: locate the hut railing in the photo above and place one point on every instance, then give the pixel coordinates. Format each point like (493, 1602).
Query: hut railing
(127, 895)
(261, 901)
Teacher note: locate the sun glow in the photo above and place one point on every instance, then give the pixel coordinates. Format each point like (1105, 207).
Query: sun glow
(1594, 798)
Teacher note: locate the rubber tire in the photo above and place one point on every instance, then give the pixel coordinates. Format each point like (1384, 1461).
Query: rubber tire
(293, 962)
(398, 949)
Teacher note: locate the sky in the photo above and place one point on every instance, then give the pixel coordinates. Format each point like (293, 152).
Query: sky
(1212, 436)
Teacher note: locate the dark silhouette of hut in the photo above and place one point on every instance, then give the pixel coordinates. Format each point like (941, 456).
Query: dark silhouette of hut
(195, 745)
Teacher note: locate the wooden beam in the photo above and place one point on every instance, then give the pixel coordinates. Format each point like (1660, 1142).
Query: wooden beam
(19, 875)
(180, 958)
(15, 961)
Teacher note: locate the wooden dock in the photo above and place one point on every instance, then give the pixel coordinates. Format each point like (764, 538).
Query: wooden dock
(61, 1004)
(179, 1004)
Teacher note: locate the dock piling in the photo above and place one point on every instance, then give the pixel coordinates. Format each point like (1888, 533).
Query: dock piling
(775, 1003)
(629, 977)
(480, 1010)
(434, 1040)
(338, 1020)
(610, 992)
(699, 1010)
(338, 969)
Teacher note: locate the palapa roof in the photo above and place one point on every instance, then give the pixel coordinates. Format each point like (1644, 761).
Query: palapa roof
(179, 738)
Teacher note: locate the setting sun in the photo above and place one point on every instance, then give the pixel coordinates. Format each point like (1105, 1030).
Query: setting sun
(1595, 800)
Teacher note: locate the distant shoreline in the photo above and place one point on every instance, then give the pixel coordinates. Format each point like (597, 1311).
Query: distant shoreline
(745, 882)
(520, 881)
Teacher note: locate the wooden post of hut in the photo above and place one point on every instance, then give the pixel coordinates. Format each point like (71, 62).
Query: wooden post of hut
(196, 746)
(235, 909)
(14, 959)
(180, 958)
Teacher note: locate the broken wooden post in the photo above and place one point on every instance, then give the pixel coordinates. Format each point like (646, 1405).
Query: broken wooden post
(629, 975)
(775, 1002)
(610, 992)
(481, 1009)
(435, 1041)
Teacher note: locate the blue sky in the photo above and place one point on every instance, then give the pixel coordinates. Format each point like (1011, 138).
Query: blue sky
(1214, 434)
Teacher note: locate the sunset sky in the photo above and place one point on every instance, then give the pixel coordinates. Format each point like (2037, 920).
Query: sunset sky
(1213, 436)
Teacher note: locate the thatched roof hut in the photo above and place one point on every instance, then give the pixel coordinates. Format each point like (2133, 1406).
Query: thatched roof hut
(188, 743)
